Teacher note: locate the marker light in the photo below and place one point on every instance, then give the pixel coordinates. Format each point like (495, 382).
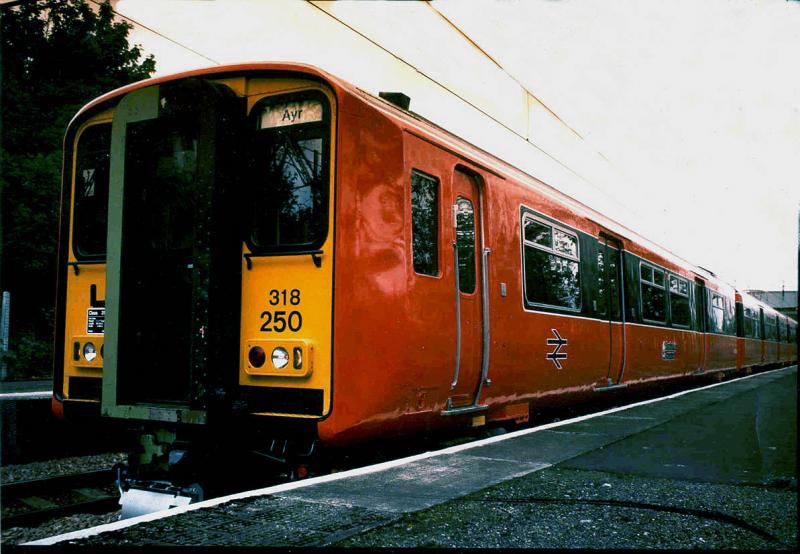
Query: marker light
(280, 358)
(89, 351)
(257, 356)
(297, 357)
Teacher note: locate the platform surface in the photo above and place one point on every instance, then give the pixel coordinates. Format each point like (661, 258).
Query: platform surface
(714, 468)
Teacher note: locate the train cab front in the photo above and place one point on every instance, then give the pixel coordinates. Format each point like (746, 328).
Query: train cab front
(216, 349)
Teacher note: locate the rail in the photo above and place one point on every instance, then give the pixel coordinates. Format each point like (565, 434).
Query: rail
(29, 503)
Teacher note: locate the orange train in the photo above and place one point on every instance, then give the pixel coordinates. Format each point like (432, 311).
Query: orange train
(266, 252)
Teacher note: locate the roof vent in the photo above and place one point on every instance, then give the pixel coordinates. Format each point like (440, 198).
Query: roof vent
(397, 98)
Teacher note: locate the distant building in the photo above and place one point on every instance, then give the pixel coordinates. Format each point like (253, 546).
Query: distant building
(785, 301)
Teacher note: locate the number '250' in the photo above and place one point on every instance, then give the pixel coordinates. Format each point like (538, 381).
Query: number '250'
(279, 321)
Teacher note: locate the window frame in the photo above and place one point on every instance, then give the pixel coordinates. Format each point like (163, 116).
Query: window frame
(475, 238)
(670, 292)
(327, 171)
(770, 323)
(80, 256)
(754, 318)
(714, 294)
(529, 213)
(439, 220)
(653, 283)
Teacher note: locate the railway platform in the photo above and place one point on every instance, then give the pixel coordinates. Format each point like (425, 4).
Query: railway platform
(12, 390)
(24, 416)
(713, 467)
(29, 432)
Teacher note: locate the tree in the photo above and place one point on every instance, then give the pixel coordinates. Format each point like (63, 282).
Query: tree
(57, 55)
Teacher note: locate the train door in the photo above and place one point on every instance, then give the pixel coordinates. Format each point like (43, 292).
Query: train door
(612, 300)
(172, 276)
(471, 307)
(701, 310)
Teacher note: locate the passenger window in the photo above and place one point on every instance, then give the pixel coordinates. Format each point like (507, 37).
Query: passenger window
(751, 323)
(717, 313)
(679, 301)
(538, 233)
(552, 265)
(769, 327)
(565, 243)
(465, 245)
(652, 290)
(425, 223)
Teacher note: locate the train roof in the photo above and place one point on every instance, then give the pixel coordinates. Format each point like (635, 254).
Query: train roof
(464, 148)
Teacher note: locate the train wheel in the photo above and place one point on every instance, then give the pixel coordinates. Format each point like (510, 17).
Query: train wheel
(298, 472)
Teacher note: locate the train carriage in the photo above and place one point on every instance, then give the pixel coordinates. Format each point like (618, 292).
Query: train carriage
(268, 249)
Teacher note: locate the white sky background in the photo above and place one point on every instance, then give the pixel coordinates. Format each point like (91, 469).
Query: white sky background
(695, 104)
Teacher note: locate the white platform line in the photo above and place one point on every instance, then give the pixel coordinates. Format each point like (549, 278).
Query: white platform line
(84, 533)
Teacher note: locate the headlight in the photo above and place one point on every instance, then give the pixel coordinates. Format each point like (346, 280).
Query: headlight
(257, 356)
(89, 351)
(280, 358)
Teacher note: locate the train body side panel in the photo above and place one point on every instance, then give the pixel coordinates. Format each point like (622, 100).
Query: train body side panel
(82, 376)
(649, 352)
(721, 352)
(523, 341)
(771, 352)
(748, 352)
(792, 352)
(786, 350)
(383, 362)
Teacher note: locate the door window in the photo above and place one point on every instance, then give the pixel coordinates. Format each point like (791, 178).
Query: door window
(465, 245)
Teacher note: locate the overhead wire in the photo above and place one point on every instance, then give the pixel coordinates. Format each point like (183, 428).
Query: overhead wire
(474, 43)
(173, 41)
(454, 93)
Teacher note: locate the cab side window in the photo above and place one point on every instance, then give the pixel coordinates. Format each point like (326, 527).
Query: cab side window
(425, 223)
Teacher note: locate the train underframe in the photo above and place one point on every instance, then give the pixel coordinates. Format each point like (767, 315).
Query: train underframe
(172, 465)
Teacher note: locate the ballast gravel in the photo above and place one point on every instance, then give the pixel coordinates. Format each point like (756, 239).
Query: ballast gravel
(20, 535)
(59, 466)
(50, 468)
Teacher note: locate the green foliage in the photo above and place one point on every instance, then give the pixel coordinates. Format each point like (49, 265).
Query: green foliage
(57, 55)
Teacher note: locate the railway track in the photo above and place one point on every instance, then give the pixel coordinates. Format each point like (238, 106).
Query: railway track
(30, 503)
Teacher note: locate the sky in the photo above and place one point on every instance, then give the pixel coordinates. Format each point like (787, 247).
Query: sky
(686, 115)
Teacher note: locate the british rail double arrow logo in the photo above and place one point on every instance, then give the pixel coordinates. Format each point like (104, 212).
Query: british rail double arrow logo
(557, 354)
